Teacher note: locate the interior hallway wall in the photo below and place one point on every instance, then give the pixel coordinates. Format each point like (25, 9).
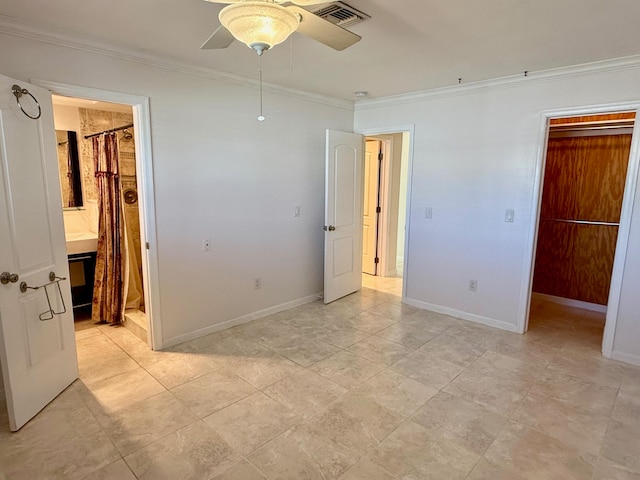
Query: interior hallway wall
(402, 200)
(219, 174)
(475, 155)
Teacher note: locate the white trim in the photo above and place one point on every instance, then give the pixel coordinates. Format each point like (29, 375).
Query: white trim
(622, 243)
(509, 81)
(531, 241)
(625, 218)
(144, 163)
(471, 317)
(385, 199)
(169, 342)
(411, 129)
(22, 29)
(570, 302)
(626, 358)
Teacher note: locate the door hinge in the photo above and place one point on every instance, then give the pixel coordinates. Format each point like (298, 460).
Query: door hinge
(377, 260)
(378, 209)
(146, 245)
(380, 155)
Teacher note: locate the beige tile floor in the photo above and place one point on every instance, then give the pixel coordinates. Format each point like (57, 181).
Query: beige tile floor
(364, 388)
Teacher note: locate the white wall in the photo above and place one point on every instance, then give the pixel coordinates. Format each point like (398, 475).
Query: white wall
(626, 345)
(66, 117)
(402, 201)
(219, 174)
(475, 155)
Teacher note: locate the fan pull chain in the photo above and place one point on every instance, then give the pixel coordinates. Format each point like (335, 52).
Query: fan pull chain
(290, 54)
(261, 117)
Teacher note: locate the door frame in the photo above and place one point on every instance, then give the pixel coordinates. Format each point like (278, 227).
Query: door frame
(144, 167)
(385, 188)
(622, 241)
(380, 200)
(410, 129)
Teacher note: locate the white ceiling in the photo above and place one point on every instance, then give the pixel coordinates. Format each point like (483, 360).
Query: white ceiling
(407, 45)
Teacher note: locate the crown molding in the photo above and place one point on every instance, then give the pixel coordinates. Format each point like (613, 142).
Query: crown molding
(501, 82)
(21, 29)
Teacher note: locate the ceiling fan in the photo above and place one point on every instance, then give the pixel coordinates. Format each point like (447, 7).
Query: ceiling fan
(262, 24)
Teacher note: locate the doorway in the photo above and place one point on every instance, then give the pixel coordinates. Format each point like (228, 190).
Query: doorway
(385, 193)
(584, 179)
(128, 122)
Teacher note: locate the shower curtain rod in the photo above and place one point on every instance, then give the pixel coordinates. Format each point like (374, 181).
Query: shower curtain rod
(109, 131)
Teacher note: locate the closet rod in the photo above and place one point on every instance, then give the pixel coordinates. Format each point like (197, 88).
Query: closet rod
(595, 125)
(571, 128)
(109, 131)
(582, 222)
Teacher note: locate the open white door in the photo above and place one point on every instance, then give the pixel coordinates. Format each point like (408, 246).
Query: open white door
(343, 214)
(371, 207)
(37, 349)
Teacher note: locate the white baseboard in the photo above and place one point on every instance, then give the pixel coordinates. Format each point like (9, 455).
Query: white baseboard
(471, 317)
(170, 342)
(570, 302)
(626, 358)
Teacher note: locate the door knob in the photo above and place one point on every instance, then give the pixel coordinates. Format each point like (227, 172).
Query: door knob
(331, 228)
(6, 277)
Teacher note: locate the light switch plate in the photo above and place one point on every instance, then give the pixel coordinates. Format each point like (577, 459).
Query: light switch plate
(509, 215)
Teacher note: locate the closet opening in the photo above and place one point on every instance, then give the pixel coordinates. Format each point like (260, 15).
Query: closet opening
(583, 186)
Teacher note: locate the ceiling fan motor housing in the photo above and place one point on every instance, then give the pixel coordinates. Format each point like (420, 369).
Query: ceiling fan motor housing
(258, 24)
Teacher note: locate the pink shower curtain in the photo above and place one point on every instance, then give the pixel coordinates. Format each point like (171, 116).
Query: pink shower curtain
(108, 292)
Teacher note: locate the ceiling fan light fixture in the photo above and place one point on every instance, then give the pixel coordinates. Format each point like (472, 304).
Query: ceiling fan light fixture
(259, 24)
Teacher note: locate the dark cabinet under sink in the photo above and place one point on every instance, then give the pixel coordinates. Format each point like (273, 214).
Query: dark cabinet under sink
(82, 268)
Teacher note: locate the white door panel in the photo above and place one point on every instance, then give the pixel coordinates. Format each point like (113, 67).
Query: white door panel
(370, 205)
(38, 356)
(343, 214)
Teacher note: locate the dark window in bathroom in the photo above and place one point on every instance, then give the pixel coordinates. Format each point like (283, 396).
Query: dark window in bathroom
(74, 170)
(70, 172)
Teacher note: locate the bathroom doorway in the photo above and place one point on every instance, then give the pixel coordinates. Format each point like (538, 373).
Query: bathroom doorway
(77, 122)
(385, 193)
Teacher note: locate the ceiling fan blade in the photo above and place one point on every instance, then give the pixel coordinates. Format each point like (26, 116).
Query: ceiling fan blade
(221, 38)
(324, 31)
(306, 2)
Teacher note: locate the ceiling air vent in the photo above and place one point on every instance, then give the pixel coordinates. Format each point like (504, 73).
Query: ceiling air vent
(341, 14)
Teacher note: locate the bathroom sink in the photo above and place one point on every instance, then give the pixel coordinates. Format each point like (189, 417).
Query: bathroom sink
(81, 242)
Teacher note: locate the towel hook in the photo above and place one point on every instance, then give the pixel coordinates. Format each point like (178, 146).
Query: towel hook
(18, 91)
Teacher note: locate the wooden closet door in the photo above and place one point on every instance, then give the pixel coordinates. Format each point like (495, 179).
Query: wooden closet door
(584, 181)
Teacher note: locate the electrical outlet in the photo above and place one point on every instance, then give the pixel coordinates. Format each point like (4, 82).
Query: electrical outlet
(428, 213)
(257, 283)
(296, 211)
(206, 245)
(473, 285)
(509, 215)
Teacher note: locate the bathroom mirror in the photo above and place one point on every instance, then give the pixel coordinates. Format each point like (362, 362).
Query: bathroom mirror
(69, 167)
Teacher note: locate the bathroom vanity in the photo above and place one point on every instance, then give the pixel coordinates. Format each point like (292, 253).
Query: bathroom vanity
(81, 272)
